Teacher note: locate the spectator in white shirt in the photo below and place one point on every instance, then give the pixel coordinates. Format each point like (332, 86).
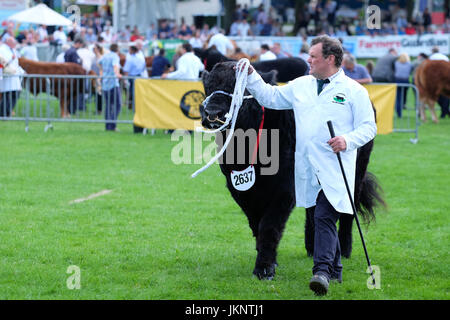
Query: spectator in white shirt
(29, 51)
(189, 65)
(60, 36)
(222, 43)
(43, 34)
(266, 54)
(87, 57)
(244, 28)
(436, 55)
(107, 35)
(60, 57)
(10, 86)
(90, 36)
(234, 28)
(196, 40)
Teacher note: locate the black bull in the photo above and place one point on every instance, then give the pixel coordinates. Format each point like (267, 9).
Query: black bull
(287, 68)
(270, 201)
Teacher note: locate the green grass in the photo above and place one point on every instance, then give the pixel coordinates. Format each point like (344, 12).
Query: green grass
(162, 235)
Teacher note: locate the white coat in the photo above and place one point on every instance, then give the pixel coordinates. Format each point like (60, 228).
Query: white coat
(188, 67)
(11, 83)
(343, 101)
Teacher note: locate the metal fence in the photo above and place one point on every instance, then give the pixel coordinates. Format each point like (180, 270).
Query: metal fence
(73, 98)
(69, 98)
(406, 110)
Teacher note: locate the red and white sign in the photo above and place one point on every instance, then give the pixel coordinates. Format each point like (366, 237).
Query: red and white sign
(92, 2)
(374, 47)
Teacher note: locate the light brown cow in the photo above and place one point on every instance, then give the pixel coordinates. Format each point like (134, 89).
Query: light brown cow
(432, 80)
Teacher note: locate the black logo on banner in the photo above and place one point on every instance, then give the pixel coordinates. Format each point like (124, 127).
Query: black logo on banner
(190, 104)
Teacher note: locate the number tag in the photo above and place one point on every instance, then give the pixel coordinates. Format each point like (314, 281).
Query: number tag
(243, 180)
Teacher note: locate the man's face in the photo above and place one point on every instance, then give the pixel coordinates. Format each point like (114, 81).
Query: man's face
(319, 66)
(11, 42)
(276, 49)
(348, 65)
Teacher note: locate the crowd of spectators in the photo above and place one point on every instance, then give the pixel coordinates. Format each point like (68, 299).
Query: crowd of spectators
(94, 45)
(318, 17)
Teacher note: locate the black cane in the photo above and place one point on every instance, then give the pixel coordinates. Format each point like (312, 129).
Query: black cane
(330, 128)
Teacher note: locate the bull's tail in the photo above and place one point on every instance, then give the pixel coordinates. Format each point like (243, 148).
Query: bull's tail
(370, 196)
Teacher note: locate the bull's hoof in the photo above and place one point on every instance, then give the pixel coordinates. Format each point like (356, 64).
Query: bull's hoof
(265, 273)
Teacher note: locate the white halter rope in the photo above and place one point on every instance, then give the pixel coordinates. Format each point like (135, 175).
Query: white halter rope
(236, 103)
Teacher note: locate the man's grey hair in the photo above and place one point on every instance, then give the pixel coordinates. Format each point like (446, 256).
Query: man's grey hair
(349, 58)
(330, 47)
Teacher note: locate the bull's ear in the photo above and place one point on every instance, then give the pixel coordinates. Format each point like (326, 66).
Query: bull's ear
(270, 77)
(205, 75)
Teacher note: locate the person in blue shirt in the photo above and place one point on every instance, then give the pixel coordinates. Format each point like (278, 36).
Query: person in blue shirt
(134, 67)
(159, 64)
(110, 72)
(403, 69)
(71, 55)
(355, 71)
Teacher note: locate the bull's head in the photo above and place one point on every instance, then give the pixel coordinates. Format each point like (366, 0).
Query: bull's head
(221, 80)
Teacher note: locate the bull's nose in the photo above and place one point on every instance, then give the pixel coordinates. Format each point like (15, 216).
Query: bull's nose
(213, 118)
(213, 115)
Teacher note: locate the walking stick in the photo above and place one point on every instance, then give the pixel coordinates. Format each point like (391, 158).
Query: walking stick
(330, 128)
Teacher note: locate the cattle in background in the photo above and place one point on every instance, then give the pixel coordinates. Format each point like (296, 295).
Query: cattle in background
(65, 89)
(432, 80)
(288, 68)
(269, 202)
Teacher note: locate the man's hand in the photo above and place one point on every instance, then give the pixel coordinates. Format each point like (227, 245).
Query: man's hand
(164, 76)
(250, 69)
(338, 144)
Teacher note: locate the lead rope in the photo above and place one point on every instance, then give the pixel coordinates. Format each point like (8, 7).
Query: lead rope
(236, 103)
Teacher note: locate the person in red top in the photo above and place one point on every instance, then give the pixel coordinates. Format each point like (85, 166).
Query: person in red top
(135, 35)
(410, 29)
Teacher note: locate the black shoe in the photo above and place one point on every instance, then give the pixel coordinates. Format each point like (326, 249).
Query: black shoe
(319, 284)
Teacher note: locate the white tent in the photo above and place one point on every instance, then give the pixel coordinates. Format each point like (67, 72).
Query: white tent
(41, 14)
(142, 12)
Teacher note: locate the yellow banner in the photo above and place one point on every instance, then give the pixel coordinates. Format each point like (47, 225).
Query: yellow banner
(383, 98)
(173, 104)
(168, 104)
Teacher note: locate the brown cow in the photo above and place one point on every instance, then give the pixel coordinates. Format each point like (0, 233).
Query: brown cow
(432, 80)
(65, 89)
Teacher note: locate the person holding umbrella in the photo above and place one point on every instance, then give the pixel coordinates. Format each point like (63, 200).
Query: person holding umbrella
(326, 94)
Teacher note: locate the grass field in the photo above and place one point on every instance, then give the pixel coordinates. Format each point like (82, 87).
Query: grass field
(162, 235)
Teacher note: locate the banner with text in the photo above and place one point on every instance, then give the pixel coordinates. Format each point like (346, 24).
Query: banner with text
(359, 46)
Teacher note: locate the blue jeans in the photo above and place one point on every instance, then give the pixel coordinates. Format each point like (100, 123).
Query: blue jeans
(401, 96)
(8, 102)
(113, 103)
(327, 250)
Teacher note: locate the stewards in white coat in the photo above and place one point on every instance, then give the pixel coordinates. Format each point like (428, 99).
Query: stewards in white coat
(326, 94)
(189, 66)
(11, 82)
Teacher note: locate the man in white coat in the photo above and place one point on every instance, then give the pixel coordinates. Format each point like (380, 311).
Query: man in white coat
(326, 94)
(189, 65)
(11, 82)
